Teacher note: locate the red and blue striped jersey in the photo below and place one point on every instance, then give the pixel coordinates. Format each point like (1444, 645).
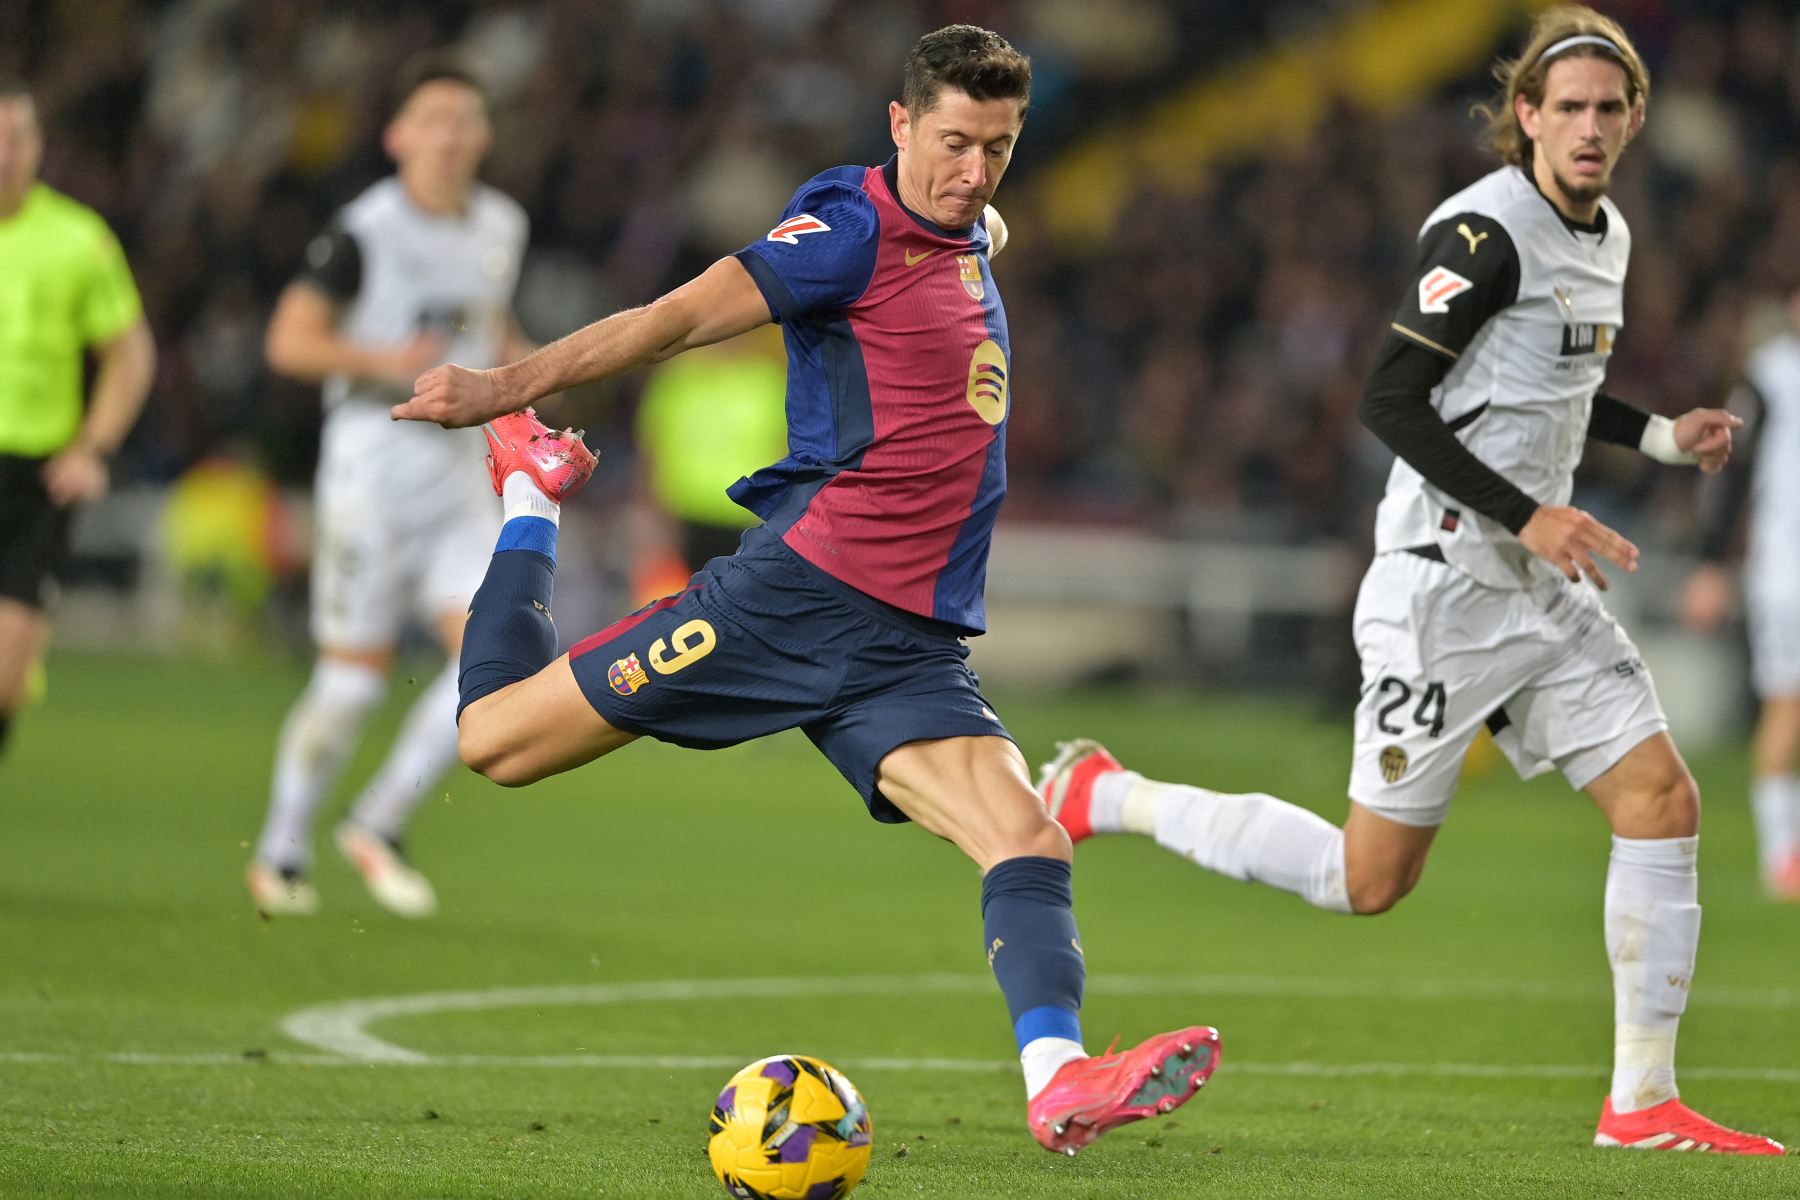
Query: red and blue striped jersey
(897, 395)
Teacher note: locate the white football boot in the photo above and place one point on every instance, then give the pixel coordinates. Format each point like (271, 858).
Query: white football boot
(279, 893)
(394, 882)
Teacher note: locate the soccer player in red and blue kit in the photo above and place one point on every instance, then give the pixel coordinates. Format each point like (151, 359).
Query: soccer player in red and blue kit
(844, 613)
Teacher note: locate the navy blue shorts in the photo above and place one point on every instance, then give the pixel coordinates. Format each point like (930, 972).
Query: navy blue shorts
(763, 641)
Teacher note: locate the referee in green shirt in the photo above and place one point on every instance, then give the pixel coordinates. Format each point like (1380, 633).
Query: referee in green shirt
(64, 288)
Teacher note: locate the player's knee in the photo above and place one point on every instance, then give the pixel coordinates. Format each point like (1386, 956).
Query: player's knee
(1027, 838)
(1669, 809)
(490, 757)
(1050, 840)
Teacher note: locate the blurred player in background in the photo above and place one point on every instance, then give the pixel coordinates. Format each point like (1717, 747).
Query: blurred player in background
(705, 419)
(65, 288)
(843, 615)
(1769, 485)
(418, 269)
(1474, 611)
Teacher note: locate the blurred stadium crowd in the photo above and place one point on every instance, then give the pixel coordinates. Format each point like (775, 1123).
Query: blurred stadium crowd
(1196, 366)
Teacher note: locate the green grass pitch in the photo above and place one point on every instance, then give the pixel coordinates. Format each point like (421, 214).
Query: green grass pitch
(1455, 1047)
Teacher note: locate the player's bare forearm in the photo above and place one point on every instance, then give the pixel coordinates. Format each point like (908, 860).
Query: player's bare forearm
(722, 302)
(127, 363)
(516, 343)
(122, 381)
(303, 343)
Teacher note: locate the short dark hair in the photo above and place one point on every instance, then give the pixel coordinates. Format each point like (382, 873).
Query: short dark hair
(437, 67)
(13, 87)
(970, 59)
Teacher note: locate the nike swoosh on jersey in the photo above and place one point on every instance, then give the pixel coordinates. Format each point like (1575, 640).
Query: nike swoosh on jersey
(913, 260)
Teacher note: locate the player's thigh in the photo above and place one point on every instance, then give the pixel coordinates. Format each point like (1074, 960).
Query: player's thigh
(975, 792)
(453, 566)
(1777, 742)
(1383, 858)
(23, 631)
(540, 726)
(724, 661)
(1591, 706)
(1772, 612)
(1649, 793)
(362, 567)
(34, 534)
(1435, 667)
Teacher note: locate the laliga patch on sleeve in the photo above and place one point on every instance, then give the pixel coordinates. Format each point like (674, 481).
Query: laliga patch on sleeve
(790, 230)
(1435, 290)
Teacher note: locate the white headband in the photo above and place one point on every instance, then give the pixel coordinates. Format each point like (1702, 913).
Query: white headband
(1585, 39)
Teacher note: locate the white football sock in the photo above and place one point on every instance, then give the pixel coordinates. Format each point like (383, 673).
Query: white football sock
(1652, 935)
(520, 497)
(1106, 802)
(1251, 837)
(316, 739)
(1042, 1057)
(1775, 805)
(425, 749)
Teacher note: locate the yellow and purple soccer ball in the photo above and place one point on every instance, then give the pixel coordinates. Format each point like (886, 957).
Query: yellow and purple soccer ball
(789, 1127)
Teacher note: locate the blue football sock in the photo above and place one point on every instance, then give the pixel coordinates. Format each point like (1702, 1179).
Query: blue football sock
(509, 635)
(1029, 927)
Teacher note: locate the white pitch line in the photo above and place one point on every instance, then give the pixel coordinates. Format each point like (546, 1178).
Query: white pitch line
(656, 1062)
(342, 1027)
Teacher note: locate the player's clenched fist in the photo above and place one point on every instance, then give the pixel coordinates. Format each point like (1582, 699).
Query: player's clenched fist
(452, 396)
(1570, 540)
(1705, 433)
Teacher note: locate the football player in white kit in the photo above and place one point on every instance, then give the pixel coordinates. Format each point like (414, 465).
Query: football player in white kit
(1769, 399)
(1475, 610)
(418, 270)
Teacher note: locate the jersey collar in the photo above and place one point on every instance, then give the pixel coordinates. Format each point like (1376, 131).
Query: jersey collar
(890, 172)
(1598, 225)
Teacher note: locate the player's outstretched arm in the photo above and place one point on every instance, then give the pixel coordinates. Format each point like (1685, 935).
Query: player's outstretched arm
(302, 342)
(722, 302)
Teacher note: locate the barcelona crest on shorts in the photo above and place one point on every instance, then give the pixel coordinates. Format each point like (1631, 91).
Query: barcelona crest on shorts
(627, 675)
(970, 267)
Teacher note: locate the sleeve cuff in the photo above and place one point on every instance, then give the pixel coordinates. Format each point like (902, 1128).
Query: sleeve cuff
(782, 305)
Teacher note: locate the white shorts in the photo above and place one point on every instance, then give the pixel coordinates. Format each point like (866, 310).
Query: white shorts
(1772, 607)
(1545, 668)
(388, 549)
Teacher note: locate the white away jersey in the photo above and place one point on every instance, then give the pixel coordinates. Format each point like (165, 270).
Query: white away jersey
(396, 271)
(1527, 305)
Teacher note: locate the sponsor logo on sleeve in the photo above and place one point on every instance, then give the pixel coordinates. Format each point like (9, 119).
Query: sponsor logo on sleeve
(1438, 287)
(792, 229)
(1474, 239)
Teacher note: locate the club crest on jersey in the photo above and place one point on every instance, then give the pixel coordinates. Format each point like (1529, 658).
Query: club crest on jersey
(969, 266)
(792, 229)
(1393, 764)
(1437, 288)
(627, 675)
